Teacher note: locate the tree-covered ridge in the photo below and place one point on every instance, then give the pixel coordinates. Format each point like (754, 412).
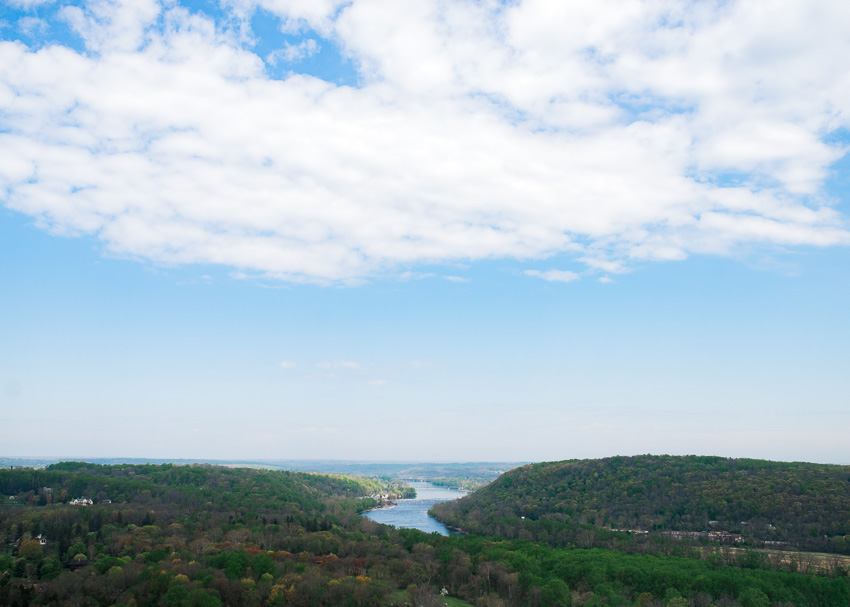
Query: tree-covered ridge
(180, 485)
(805, 504)
(466, 475)
(172, 536)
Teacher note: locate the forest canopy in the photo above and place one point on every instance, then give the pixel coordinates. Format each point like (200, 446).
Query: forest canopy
(165, 535)
(800, 504)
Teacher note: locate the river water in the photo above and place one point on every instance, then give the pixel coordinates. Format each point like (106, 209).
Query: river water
(414, 513)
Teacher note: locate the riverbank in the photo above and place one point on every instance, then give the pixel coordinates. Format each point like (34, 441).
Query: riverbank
(414, 513)
(381, 506)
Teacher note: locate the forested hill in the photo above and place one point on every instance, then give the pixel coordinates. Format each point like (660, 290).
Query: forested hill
(179, 487)
(806, 504)
(202, 536)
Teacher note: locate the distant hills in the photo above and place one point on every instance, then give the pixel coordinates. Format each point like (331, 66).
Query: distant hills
(801, 504)
(464, 475)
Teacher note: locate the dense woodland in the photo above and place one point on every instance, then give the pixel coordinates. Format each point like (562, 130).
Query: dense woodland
(790, 505)
(206, 536)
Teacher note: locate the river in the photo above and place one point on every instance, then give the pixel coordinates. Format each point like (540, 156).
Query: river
(414, 513)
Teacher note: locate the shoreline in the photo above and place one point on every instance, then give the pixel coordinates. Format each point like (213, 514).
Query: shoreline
(383, 506)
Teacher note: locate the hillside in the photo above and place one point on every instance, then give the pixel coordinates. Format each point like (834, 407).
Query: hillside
(178, 485)
(806, 505)
(466, 475)
(206, 536)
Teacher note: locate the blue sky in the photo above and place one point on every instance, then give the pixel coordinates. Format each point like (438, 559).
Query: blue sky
(469, 231)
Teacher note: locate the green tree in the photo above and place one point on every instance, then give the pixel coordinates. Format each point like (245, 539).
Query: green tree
(753, 597)
(50, 568)
(30, 550)
(177, 596)
(644, 599)
(74, 551)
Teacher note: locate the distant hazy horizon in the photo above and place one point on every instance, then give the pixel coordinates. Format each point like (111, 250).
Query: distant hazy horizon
(299, 464)
(456, 231)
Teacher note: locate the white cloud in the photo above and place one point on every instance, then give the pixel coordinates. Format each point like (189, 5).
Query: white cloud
(479, 131)
(287, 364)
(28, 4)
(32, 26)
(293, 53)
(108, 26)
(553, 275)
(377, 383)
(297, 15)
(455, 279)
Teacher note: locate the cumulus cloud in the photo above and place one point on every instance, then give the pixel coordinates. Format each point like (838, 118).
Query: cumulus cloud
(611, 132)
(287, 364)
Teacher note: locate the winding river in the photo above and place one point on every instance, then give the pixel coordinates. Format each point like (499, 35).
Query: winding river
(414, 513)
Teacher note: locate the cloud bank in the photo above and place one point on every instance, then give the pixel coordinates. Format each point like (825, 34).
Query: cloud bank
(607, 132)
